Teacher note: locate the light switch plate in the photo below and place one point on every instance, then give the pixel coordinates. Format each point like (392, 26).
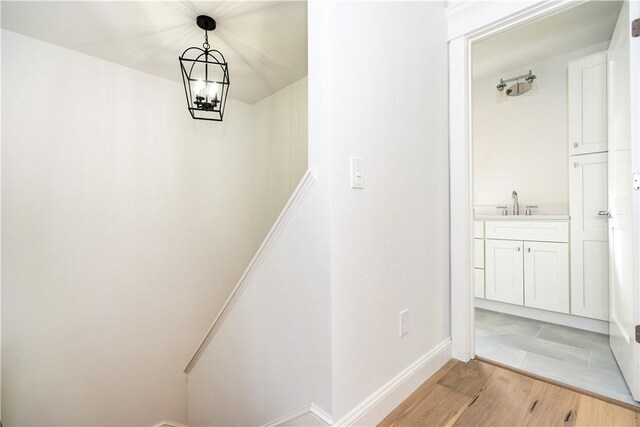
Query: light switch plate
(357, 173)
(404, 323)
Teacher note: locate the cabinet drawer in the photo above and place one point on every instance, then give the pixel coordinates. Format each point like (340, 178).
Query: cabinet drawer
(478, 253)
(478, 282)
(539, 231)
(478, 229)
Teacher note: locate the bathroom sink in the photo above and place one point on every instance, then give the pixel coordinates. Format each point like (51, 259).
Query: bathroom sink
(523, 217)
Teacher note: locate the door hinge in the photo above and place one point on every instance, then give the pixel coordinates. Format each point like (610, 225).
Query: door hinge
(635, 27)
(638, 334)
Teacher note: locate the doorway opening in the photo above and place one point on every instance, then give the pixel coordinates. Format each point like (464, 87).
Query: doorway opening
(552, 202)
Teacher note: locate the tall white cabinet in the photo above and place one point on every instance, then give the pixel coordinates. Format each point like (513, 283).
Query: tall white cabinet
(588, 186)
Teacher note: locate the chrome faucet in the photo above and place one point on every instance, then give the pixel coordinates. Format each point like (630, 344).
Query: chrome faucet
(516, 205)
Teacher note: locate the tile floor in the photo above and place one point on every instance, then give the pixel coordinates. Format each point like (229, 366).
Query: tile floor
(573, 356)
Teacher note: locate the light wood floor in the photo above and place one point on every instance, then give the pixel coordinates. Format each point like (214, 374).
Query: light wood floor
(480, 394)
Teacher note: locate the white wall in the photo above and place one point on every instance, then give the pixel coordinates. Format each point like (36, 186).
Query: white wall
(383, 249)
(281, 158)
(377, 78)
(521, 144)
(127, 225)
(272, 354)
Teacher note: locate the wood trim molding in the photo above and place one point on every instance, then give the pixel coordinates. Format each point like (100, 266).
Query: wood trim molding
(467, 17)
(311, 409)
(320, 414)
(294, 201)
(468, 25)
(459, 9)
(461, 202)
(381, 402)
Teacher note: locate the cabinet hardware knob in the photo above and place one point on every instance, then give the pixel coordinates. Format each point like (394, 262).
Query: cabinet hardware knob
(518, 249)
(528, 249)
(575, 145)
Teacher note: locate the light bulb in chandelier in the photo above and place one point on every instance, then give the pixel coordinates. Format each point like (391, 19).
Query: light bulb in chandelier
(198, 87)
(213, 92)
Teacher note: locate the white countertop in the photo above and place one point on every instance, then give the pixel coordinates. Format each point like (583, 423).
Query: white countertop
(523, 217)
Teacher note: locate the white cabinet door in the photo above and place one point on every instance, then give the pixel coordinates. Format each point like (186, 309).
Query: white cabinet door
(478, 282)
(588, 104)
(589, 241)
(546, 276)
(503, 269)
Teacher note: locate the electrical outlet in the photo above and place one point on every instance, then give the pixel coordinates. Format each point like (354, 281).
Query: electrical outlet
(404, 323)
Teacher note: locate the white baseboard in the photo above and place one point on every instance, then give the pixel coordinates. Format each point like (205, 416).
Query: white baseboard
(379, 404)
(308, 410)
(570, 320)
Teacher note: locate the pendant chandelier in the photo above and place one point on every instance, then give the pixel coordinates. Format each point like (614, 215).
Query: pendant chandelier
(205, 75)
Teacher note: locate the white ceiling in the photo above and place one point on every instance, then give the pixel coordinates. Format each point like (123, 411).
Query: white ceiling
(579, 27)
(265, 43)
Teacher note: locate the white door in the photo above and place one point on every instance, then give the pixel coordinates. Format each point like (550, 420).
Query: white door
(589, 229)
(624, 156)
(504, 279)
(546, 276)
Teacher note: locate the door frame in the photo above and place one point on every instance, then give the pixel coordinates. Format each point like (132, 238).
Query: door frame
(469, 22)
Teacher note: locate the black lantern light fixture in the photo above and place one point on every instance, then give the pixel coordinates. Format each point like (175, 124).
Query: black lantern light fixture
(205, 75)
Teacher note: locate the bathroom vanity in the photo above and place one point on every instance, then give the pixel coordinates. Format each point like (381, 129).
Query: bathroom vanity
(522, 266)
(524, 260)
